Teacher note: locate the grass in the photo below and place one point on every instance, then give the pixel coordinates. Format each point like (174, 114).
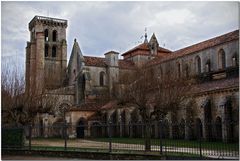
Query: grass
(218, 146)
(175, 143)
(54, 148)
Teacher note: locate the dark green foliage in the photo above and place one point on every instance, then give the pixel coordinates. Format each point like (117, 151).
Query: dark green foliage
(13, 137)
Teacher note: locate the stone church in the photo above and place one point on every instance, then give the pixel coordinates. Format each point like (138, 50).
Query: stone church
(77, 90)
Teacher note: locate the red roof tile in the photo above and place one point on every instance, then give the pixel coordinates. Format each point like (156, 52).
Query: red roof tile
(95, 61)
(234, 35)
(101, 62)
(144, 46)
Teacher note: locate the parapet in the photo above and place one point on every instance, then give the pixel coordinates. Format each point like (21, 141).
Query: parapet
(47, 21)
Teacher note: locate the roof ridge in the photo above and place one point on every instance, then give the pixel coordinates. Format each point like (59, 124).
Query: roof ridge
(202, 42)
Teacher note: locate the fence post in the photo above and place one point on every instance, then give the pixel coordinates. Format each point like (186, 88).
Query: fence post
(161, 147)
(65, 135)
(30, 138)
(110, 137)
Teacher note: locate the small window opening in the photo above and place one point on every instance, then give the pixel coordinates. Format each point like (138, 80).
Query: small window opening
(46, 50)
(46, 34)
(54, 51)
(54, 35)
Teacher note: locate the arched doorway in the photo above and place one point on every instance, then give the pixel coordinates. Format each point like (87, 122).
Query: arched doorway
(123, 123)
(80, 129)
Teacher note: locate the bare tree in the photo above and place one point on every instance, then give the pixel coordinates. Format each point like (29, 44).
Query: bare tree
(20, 107)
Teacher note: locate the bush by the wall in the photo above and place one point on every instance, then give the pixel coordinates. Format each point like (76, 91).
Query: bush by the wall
(13, 137)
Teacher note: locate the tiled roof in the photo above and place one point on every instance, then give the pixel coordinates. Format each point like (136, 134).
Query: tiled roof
(101, 62)
(216, 85)
(144, 46)
(234, 35)
(95, 61)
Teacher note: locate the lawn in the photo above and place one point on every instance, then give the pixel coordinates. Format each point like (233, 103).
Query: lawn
(176, 143)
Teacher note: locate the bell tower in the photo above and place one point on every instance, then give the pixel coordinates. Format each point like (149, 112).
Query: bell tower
(46, 54)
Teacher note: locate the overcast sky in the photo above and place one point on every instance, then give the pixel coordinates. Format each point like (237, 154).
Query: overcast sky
(103, 26)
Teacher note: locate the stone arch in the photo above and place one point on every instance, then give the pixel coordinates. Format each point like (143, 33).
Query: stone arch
(198, 65)
(182, 129)
(114, 124)
(123, 123)
(218, 128)
(198, 128)
(208, 66)
(207, 110)
(221, 59)
(61, 106)
(81, 127)
(54, 35)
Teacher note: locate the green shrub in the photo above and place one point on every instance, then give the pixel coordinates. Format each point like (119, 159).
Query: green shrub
(13, 137)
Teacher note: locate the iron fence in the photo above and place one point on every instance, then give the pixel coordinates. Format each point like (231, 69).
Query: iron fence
(163, 138)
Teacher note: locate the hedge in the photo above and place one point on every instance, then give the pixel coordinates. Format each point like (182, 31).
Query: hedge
(13, 137)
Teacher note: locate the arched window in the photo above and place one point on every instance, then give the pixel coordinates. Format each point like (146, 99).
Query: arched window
(198, 64)
(54, 51)
(54, 35)
(234, 60)
(46, 34)
(46, 50)
(221, 59)
(101, 79)
(208, 66)
(179, 70)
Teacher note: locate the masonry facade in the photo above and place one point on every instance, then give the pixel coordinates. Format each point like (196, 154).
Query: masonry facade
(80, 90)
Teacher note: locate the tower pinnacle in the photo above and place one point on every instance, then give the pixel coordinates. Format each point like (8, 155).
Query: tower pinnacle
(145, 40)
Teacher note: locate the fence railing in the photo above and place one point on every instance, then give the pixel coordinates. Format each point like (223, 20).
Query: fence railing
(197, 140)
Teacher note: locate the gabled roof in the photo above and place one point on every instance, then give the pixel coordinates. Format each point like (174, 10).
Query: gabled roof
(144, 46)
(234, 35)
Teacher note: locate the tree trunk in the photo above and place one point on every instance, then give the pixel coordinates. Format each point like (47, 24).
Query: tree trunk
(147, 131)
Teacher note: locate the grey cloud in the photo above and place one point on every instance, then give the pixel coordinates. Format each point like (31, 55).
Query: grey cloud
(103, 26)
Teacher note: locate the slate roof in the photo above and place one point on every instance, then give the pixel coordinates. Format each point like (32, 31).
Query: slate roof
(144, 46)
(234, 35)
(101, 62)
